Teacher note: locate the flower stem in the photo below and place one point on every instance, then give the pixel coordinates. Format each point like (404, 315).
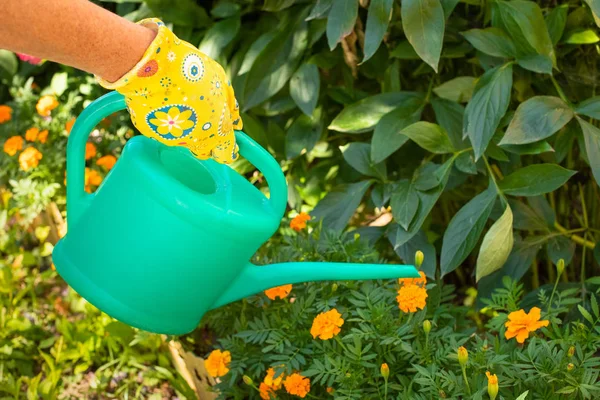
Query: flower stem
(464, 372)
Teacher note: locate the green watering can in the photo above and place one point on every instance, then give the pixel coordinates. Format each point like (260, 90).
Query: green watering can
(167, 237)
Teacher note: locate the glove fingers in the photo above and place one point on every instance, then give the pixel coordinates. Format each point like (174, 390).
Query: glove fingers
(226, 151)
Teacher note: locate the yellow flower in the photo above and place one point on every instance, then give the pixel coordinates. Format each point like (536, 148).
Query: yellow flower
(13, 144)
(31, 134)
(172, 122)
(279, 291)
(519, 324)
(69, 125)
(411, 297)
(90, 150)
(29, 158)
(43, 136)
(422, 281)
(217, 363)
(299, 222)
(266, 392)
(45, 105)
(5, 114)
(107, 162)
(492, 385)
(327, 325)
(270, 384)
(297, 385)
(463, 356)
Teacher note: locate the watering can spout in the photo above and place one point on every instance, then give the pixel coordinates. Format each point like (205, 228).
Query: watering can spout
(254, 279)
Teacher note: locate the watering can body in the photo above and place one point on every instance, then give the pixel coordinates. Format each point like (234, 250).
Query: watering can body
(167, 237)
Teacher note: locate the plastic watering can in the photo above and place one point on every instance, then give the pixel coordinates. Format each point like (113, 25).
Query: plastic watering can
(167, 237)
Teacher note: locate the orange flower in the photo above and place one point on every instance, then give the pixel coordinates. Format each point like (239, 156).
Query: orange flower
(45, 105)
(90, 150)
(411, 297)
(270, 384)
(330, 390)
(422, 281)
(69, 125)
(299, 222)
(266, 392)
(29, 158)
(297, 385)
(279, 291)
(5, 114)
(107, 162)
(43, 136)
(519, 324)
(13, 144)
(31, 134)
(92, 178)
(327, 325)
(217, 363)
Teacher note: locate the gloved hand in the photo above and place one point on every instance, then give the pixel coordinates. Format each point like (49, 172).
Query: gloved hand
(179, 96)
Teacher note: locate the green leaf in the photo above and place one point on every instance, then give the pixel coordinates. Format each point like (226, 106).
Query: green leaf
(254, 51)
(363, 115)
(340, 20)
(459, 89)
(523, 395)
(450, 115)
(423, 22)
(556, 21)
(595, 7)
(180, 12)
(496, 246)
(594, 304)
(449, 6)
(405, 203)
(429, 136)
(560, 247)
(492, 41)
(8, 64)
(320, 9)
(388, 137)
(581, 36)
(536, 119)
(304, 87)
(585, 313)
(59, 83)
(487, 107)
(277, 5)
(418, 242)
(535, 179)
(539, 63)
(219, 36)
(465, 163)
(303, 134)
(225, 9)
(591, 136)
(465, 228)
(589, 107)
(338, 206)
(378, 18)
(358, 155)
(531, 148)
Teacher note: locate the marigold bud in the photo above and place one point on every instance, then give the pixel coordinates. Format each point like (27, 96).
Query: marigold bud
(427, 326)
(492, 385)
(247, 380)
(334, 287)
(463, 356)
(571, 351)
(442, 394)
(560, 266)
(419, 256)
(570, 367)
(385, 371)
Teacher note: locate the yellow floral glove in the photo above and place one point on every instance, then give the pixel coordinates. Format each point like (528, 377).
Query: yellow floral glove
(179, 96)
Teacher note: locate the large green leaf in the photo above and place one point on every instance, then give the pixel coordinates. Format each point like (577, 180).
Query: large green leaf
(304, 87)
(591, 135)
(8, 64)
(496, 246)
(303, 134)
(487, 107)
(378, 19)
(363, 115)
(340, 20)
(465, 228)
(338, 206)
(419, 242)
(459, 89)
(277, 5)
(581, 36)
(358, 155)
(556, 21)
(254, 51)
(589, 107)
(535, 179)
(424, 22)
(536, 119)
(450, 115)
(540, 63)
(180, 12)
(429, 136)
(219, 36)
(388, 137)
(320, 9)
(492, 41)
(595, 7)
(405, 203)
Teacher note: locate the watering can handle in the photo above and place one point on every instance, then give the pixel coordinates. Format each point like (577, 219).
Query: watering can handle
(78, 199)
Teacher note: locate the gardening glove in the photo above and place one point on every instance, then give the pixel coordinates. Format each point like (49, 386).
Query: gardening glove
(180, 96)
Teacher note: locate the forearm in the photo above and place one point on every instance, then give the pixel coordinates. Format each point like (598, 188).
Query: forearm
(77, 33)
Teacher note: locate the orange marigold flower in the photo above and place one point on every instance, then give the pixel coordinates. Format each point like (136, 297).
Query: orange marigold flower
(297, 385)
(92, 178)
(5, 114)
(107, 161)
(279, 291)
(299, 222)
(29, 158)
(31, 134)
(13, 144)
(330, 390)
(266, 392)
(519, 324)
(271, 381)
(217, 363)
(411, 297)
(45, 105)
(90, 150)
(43, 136)
(327, 325)
(422, 281)
(69, 125)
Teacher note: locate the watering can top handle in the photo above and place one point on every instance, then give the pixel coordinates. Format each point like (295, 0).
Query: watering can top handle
(113, 102)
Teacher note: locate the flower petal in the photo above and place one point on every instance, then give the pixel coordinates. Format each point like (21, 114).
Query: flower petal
(173, 112)
(161, 115)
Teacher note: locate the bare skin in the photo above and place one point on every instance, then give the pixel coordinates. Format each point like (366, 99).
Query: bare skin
(77, 33)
